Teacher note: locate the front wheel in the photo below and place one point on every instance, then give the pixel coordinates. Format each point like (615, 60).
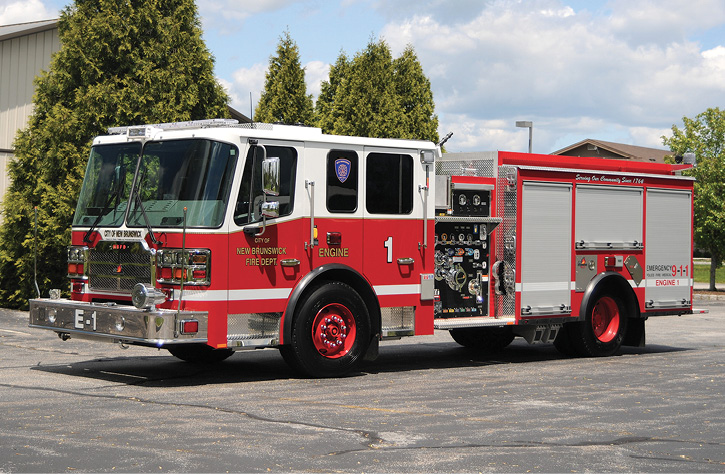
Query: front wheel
(330, 332)
(603, 329)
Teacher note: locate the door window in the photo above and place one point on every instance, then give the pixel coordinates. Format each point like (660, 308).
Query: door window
(342, 184)
(251, 195)
(389, 187)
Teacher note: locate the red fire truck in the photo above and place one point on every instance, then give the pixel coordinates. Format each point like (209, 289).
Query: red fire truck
(209, 237)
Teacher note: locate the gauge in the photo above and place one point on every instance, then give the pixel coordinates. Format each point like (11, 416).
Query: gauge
(462, 200)
(476, 200)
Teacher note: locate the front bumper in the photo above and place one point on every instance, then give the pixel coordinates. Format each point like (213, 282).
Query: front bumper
(127, 324)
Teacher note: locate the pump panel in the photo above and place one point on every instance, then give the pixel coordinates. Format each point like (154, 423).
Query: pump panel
(462, 263)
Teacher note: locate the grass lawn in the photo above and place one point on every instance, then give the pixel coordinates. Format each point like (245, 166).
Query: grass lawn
(702, 274)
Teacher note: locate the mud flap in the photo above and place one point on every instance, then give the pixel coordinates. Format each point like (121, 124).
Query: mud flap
(373, 348)
(635, 336)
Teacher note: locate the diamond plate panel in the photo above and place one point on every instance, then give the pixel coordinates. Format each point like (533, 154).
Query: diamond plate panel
(253, 326)
(506, 192)
(397, 318)
(467, 164)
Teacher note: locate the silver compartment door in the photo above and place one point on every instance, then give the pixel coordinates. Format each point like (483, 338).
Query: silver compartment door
(546, 250)
(668, 270)
(608, 217)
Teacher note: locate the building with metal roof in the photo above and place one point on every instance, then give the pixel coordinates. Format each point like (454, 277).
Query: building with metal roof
(25, 50)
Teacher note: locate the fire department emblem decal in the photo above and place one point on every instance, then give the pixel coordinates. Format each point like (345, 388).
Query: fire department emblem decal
(342, 169)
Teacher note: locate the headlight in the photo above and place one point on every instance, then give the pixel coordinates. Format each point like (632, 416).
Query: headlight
(75, 254)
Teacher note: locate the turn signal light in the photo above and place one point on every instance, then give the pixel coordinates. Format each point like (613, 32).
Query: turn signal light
(75, 269)
(189, 326)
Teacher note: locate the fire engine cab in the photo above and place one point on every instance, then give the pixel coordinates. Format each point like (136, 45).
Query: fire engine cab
(209, 237)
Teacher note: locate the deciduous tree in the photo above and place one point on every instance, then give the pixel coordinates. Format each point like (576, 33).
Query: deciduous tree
(705, 137)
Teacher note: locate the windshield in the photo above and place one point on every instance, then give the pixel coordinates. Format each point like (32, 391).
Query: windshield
(107, 185)
(175, 174)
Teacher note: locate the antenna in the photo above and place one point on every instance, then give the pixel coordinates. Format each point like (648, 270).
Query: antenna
(251, 117)
(445, 139)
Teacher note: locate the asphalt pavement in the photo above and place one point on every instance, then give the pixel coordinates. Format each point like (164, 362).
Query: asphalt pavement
(425, 405)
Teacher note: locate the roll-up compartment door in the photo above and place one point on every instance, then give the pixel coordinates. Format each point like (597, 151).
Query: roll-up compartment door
(668, 261)
(608, 217)
(546, 251)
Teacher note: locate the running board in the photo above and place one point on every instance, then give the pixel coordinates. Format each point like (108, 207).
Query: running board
(452, 323)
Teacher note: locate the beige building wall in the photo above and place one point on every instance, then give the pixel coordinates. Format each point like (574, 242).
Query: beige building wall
(25, 50)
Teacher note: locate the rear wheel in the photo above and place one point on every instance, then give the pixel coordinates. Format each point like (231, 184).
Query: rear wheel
(330, 332)
(603, 329)
(199, 353)
(488, 340)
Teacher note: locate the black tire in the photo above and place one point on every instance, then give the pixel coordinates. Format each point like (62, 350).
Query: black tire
(604, 327)
(199, 353)
(486, 340)
(563, 342)
(330, 332)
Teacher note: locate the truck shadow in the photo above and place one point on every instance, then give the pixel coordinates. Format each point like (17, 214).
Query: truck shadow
(164, 370)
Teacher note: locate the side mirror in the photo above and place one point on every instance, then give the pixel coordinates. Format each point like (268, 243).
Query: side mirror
(270, 209)
(270, 176)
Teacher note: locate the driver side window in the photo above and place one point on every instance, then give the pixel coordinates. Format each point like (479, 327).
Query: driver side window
(251, 196)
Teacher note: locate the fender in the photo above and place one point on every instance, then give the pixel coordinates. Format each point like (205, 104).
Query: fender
(614, 282)
(338, 272)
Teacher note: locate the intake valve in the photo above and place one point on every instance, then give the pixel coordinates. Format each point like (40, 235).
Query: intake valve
(452, 273)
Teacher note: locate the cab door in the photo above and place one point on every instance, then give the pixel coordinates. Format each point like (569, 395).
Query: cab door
(266, 256)
(338, 213)
(393, 232)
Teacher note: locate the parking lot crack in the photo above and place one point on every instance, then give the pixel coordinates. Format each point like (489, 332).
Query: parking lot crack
(385, 446)
(369, 438)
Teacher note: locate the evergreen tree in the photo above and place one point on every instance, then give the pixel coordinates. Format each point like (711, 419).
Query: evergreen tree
(705, 137)
(121, 62)
(366, 103)
(285, 97)
(373, 95)
(416, 98)
(325, 111)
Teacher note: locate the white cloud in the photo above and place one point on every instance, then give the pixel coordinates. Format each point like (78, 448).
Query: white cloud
(648, 136)
(251, 80)
(229, 15)
(315, 73)
(246, 81)
(661, 21)
(25, 11)
(546, 62)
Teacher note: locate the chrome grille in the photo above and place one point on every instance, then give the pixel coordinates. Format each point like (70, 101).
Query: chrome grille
(118, 266)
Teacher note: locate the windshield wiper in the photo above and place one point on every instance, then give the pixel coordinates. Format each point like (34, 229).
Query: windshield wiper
(139, 204)
(120, 179)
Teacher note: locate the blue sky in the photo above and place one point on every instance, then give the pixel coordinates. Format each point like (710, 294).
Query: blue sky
(617, 70)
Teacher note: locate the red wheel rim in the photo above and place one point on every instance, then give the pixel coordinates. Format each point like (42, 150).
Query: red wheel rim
(605, 319)
(333, 331)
